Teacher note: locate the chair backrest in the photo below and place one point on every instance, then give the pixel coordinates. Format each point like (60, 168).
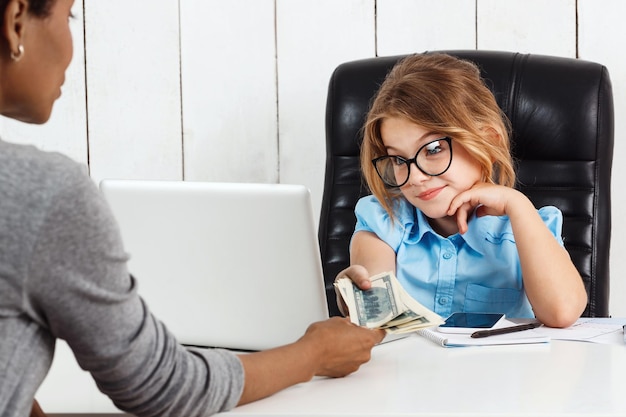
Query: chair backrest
(561, 110)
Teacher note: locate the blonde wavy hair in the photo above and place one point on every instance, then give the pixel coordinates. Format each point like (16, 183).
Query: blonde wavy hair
(446, 95)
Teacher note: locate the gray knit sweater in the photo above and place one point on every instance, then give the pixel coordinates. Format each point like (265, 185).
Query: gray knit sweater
(63, 275)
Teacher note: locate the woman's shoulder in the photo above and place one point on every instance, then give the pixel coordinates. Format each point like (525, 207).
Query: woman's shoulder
(34, 182)
(30, 166)
(29, 153)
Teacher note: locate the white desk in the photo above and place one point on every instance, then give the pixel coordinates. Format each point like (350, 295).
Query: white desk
(415, 377)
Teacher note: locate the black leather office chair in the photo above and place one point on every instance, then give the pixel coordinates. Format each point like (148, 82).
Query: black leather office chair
(561, 112)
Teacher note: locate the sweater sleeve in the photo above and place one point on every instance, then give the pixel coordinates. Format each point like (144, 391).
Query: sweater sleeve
(78, 286)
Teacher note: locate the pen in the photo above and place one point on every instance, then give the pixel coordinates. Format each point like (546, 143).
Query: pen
(505, 330)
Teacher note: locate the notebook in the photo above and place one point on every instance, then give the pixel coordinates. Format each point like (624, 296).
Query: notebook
(460, 340)
(223, 264)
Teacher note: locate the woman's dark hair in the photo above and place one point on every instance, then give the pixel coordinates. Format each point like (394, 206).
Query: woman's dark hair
(39, 8)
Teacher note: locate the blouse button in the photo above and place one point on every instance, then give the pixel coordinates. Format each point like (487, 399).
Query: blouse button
(447, 255)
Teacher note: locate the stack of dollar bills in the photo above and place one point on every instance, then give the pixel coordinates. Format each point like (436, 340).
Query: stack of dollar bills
(386, 305)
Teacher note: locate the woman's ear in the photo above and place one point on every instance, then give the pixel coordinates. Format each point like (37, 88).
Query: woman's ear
(14, 24)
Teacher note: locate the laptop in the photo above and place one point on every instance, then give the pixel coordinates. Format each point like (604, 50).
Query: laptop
(230, 265)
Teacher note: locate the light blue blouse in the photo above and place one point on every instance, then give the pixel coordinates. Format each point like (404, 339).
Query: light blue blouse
(478, 271)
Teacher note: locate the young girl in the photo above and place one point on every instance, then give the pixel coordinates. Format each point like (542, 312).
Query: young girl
(444, 214)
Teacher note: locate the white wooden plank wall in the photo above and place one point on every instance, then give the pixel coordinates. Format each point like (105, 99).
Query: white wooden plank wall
(530, 26)
(229, 90)
(235, 90)
(405, 26)
(133, 89)
(313, 37)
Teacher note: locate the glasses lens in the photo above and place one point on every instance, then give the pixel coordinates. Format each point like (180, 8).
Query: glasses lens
(393, 170)
(435, 157)
(432, 159)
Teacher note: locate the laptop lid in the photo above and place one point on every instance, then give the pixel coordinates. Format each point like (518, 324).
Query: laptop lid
(227, 265)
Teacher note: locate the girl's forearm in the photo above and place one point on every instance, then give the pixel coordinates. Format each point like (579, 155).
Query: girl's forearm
(552, 282)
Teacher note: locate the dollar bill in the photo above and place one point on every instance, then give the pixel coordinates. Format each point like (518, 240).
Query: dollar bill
(406, 317)
(386, 305)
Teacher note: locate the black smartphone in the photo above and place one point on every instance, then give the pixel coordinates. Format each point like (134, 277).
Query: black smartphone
(470, 322)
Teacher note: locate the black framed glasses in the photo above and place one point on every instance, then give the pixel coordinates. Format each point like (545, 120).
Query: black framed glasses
(432, 159)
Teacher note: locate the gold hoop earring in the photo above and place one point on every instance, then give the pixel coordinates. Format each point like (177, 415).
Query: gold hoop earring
(20, 53)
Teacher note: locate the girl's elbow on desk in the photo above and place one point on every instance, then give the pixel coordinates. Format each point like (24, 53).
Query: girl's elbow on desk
(563, 315)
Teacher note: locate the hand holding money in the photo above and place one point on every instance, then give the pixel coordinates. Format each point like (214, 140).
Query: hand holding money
(386, 305)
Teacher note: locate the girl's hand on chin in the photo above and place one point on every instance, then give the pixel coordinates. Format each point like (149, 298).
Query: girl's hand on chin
(487, 199)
